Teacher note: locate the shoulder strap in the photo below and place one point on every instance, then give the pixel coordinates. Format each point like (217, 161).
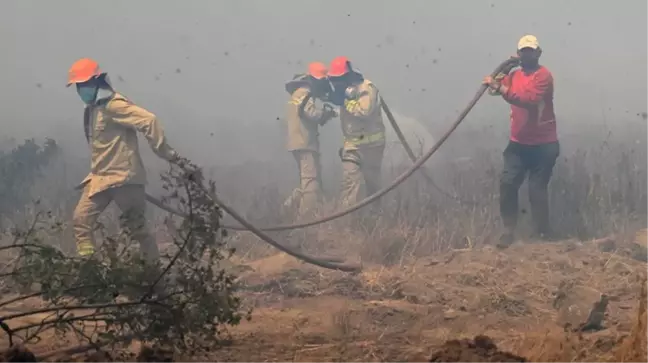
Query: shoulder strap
(87, 112)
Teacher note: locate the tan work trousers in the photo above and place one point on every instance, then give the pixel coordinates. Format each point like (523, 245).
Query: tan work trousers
(131, 200)
(310, 180)
(361, 169)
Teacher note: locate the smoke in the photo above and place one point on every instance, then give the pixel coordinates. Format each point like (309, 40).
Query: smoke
(213, 71)
(417, 135)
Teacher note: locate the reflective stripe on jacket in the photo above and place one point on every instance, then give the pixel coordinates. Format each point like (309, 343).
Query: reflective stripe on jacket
(361, 119)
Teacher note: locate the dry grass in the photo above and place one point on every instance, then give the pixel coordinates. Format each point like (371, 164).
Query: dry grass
(431, 273)
(405, 313)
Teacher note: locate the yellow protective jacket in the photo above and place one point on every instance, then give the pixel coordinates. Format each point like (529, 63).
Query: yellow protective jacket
(112, 126)
(361, 119)
(303, 117)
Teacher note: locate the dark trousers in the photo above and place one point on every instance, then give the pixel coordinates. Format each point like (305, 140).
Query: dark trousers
(538, 161)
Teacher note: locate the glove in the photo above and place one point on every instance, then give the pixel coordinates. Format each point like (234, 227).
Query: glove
(493, 83)
(177, 160)
(174, 157)
(351, 93)
(327, 113)
(328, 109)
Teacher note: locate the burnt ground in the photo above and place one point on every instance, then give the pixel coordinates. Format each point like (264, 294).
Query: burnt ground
(479, 349)
(523, 303)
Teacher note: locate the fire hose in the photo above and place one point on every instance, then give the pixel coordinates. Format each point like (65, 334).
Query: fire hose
(259, 232)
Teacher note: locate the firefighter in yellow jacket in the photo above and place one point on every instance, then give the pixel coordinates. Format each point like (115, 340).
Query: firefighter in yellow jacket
(363, 130)
(111, 123)
(304, 117)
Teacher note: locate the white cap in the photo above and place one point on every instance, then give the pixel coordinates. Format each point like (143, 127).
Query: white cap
(528, 41)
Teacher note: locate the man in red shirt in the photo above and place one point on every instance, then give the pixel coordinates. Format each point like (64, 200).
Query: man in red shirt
(533, 145)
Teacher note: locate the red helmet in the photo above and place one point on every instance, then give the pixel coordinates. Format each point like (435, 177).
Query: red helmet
(83, 70)
(339, 66)
(317, 70)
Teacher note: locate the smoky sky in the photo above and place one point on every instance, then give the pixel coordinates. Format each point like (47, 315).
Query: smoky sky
(214, 71)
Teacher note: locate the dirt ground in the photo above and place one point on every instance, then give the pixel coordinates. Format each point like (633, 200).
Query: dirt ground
(525, 303)
(521, 298)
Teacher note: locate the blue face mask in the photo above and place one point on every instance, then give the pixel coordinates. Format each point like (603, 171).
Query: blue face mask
(88, 93)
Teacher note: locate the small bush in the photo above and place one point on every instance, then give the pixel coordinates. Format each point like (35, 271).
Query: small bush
(185, 301)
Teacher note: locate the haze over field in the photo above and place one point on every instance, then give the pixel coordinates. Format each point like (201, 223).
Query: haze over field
(213, 71)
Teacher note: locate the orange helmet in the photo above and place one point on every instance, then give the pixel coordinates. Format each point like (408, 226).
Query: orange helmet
(83, 70)
(339, 66)
(317, 70)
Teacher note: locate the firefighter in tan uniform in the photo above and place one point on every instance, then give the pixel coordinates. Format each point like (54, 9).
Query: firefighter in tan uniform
(111, 123)
(304, 117)
(362, 128)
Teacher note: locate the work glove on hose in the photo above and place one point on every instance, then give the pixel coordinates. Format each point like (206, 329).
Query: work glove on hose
(495, 83)
(327, 114)
(339, 97)
(174, 157)
(495, 86)
(352, 93)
